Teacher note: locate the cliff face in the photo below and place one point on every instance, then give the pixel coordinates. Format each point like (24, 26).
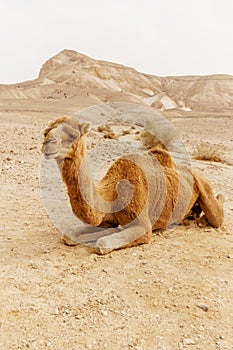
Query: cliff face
(70, 74)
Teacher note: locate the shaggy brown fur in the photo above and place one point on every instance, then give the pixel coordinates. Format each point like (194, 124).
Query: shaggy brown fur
(154, 193)
(54, 124)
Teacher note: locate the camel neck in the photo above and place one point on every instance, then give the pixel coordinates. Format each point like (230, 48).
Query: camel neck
(73, 160)
(81, 189)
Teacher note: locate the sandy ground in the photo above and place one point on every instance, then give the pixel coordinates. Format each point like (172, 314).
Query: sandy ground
(175, 293)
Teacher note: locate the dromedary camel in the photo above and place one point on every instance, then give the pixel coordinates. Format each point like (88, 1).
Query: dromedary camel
(145, 200)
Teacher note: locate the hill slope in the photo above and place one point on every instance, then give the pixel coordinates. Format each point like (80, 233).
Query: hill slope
(70, 74)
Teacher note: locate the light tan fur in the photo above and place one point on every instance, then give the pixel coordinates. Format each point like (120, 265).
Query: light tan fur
(133, 223)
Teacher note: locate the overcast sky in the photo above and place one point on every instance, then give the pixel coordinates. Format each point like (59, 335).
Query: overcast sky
(161, 37)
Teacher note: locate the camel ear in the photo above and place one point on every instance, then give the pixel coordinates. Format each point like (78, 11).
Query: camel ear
(84, 128)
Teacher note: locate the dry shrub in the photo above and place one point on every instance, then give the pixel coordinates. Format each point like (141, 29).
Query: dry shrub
(149, 140)
(126, 132)
(209, 152)
(107, 131)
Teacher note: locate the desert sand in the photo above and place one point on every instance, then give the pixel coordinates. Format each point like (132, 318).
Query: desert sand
(173, 294)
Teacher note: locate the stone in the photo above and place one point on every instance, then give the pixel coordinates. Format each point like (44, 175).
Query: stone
(189, 341)
(203, 307)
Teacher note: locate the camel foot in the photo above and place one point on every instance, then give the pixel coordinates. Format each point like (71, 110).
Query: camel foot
(102, 251)
(103, 247)
(68, 241)
(129, 237)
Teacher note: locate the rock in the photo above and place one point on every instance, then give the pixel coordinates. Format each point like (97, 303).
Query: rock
(55, 312)
(104, 312)
(203, 307)
(78, 317)
(189, 341)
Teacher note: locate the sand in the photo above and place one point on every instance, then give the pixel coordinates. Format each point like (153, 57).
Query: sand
(175, 293)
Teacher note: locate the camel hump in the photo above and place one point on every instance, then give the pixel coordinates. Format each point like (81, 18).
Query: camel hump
(163, 156)
(128, 169)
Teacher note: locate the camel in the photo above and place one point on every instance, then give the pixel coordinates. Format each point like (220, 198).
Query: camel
(138, 194)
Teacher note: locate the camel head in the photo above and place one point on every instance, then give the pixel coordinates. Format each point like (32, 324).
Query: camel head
(59, 136)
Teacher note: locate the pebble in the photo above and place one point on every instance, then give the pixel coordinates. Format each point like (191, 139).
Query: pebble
(55, 312)
(189, 341)
(203, 307)
(104, 312)
(78, 317)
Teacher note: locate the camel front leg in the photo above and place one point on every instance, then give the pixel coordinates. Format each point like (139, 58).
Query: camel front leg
(125, 237)
(212, 206)
(87, 235)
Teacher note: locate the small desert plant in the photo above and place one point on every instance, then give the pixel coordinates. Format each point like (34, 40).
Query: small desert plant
(149, 140)
(209, 152)
(126, 132)
(107, 131)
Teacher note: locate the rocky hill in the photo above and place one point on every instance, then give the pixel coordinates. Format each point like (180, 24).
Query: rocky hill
(71, 75)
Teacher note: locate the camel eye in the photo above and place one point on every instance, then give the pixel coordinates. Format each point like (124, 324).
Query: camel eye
(72, 138)
(46, 142)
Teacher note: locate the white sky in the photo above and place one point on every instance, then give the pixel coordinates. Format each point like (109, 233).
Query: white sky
(161, 37)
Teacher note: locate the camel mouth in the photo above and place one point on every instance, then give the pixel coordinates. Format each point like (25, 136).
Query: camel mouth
(50, 155)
